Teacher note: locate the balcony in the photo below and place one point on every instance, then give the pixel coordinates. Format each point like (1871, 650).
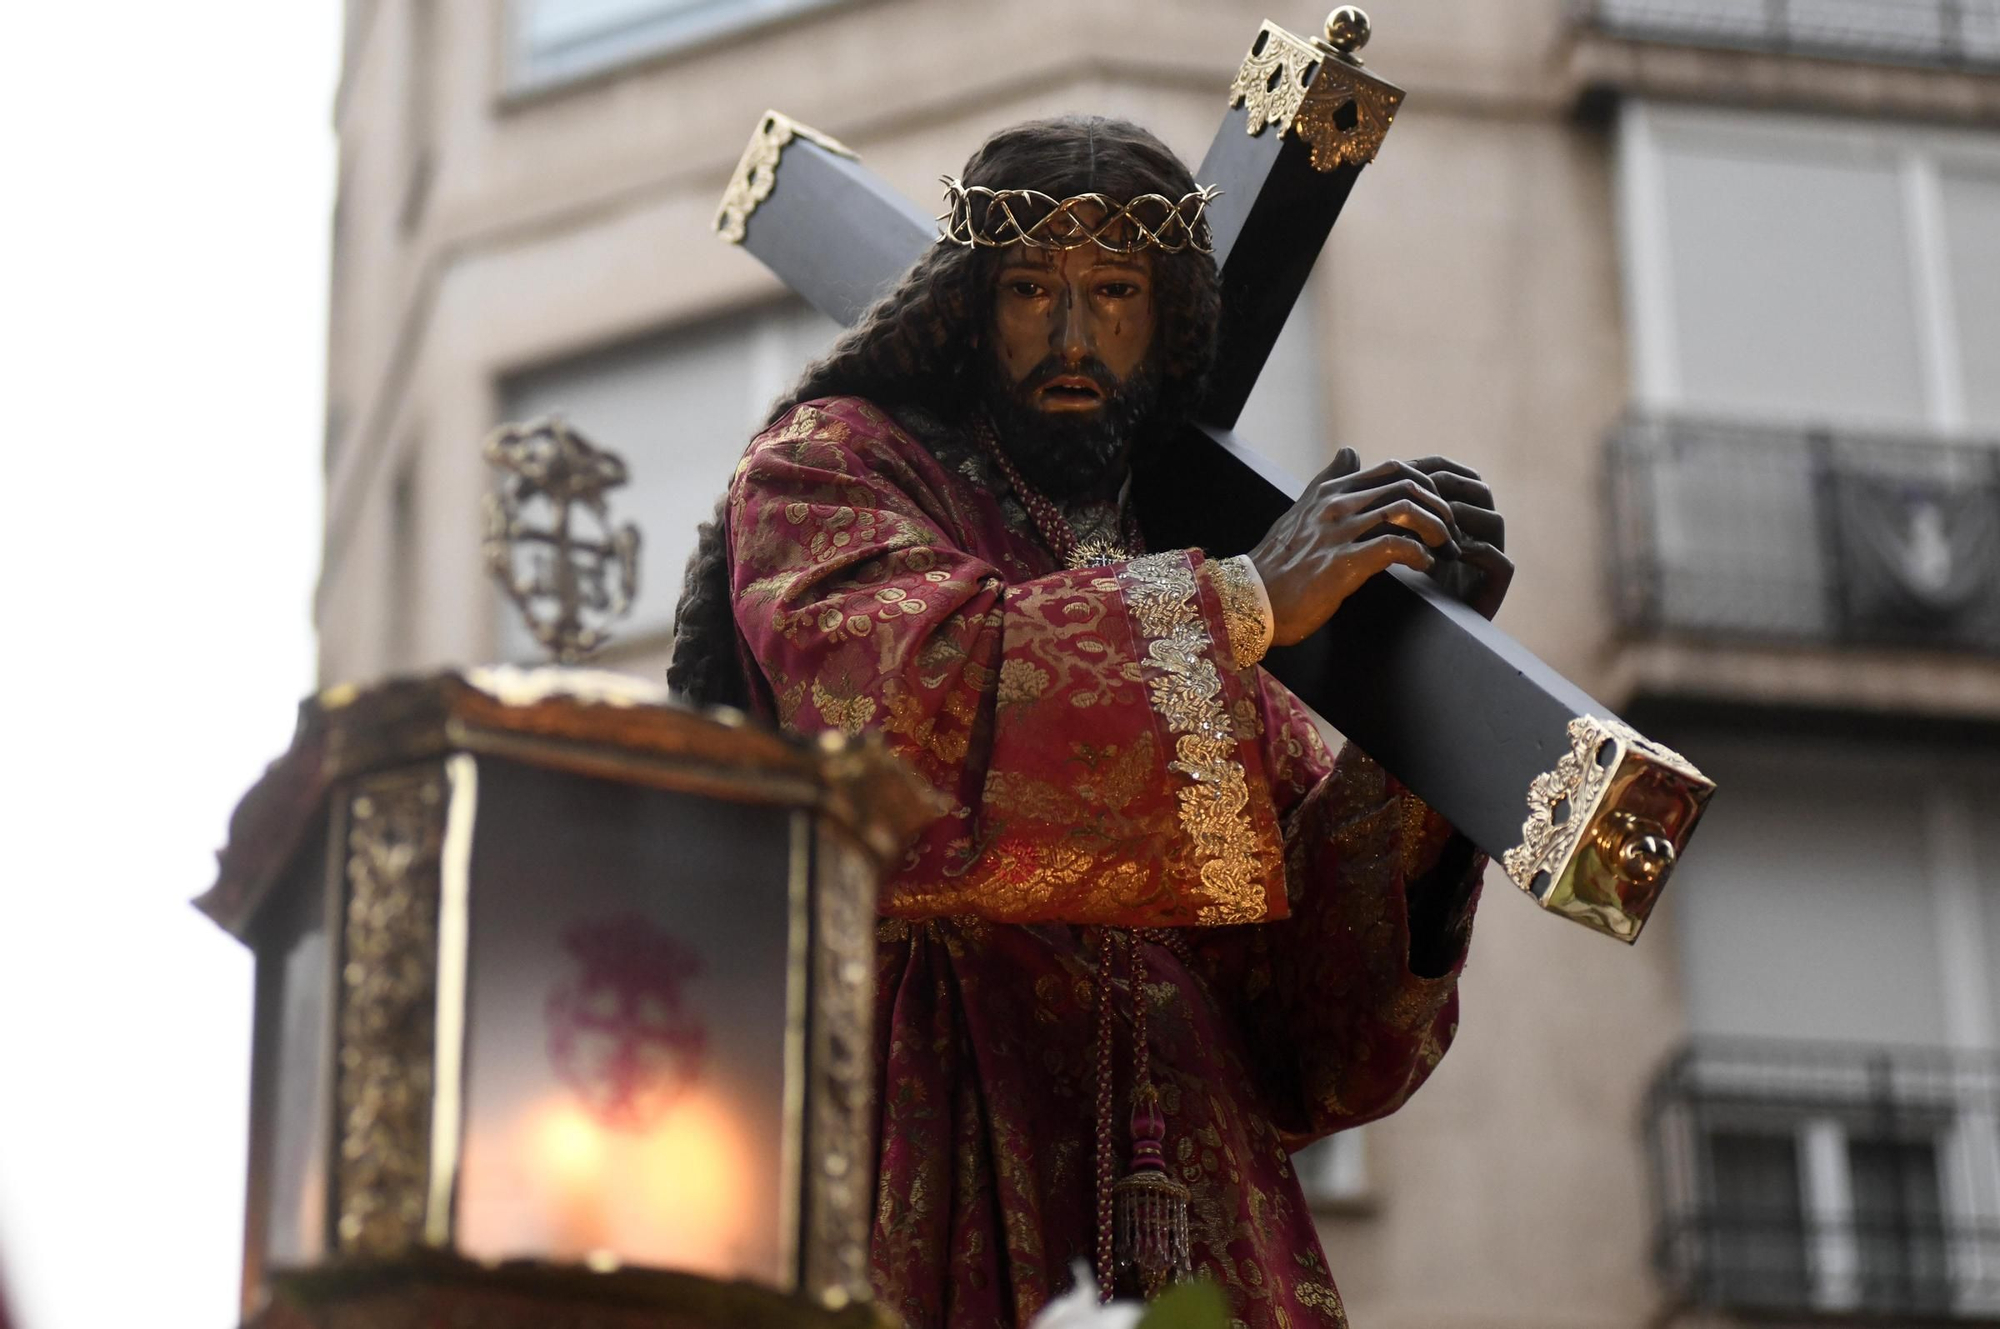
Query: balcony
(1827, 1181)
(1957, 34)
(1771, 535)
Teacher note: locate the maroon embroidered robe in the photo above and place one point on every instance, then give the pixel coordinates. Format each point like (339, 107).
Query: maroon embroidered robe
(1105, 762)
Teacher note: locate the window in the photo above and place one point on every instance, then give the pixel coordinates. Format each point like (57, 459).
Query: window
(1899, 1232)
(557, 40)
(1970, 212)
(1757, 1250)
(1831, 1140)
(679, 408)
(1814, 314)
(1783, 267)
(1841, 892)
(1814, 1177)
(1946, 32)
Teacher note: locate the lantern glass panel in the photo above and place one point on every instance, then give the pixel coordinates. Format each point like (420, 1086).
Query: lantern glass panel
(292, 969)
(626, 1010)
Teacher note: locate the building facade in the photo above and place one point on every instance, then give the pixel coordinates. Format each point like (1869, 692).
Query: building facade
(1709, 290)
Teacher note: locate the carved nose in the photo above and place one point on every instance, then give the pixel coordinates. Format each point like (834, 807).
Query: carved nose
(1075, 336)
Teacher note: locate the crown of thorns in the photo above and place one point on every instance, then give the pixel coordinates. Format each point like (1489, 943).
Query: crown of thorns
(978, 217)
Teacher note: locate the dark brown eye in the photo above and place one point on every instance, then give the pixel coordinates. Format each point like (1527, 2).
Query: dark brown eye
(1027, 290)
(1118, 290)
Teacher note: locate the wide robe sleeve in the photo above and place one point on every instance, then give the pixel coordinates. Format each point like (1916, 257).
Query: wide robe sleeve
(1347, 1004)
(1097, 750)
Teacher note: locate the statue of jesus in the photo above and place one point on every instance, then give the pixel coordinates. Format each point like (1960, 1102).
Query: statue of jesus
(1159, 937)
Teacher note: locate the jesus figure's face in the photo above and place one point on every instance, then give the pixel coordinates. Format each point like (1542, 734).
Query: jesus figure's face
(1072, 325)
(1071, 372)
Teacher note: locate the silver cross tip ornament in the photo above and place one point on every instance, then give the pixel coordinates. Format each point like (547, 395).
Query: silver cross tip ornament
(550, 540)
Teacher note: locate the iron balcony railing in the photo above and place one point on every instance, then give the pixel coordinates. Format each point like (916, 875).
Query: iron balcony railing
(1829, 1182)
(1811, 536)
(1951, 33)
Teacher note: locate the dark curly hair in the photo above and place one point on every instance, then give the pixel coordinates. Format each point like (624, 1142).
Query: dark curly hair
(921, 346)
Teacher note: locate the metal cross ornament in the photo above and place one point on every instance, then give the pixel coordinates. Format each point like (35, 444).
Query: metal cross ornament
(550, 541)
(1462, 714)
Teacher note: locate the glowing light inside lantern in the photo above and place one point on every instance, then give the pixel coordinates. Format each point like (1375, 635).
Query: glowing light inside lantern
(690, 1193)
(570, 1145)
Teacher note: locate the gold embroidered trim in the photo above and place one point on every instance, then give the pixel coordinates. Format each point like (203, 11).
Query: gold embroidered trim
(1416, 835)
(1246, 611)
(1187, 694)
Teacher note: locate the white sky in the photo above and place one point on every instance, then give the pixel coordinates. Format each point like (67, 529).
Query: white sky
(168, 177)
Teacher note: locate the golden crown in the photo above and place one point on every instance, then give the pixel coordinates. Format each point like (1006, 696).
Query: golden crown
(976, 216)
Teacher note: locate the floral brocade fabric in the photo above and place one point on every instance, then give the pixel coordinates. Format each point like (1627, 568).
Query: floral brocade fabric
(1102, 760)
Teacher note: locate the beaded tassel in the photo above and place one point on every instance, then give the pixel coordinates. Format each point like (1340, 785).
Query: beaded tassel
(1151, 1207)
(1105, 1246)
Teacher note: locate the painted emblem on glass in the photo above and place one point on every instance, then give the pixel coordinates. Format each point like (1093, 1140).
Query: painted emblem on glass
(622, 1034)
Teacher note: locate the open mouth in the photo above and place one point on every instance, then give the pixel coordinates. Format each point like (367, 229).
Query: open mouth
(1070, 392)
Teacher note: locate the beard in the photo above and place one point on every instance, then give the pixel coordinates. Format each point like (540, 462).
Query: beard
(1071, 455)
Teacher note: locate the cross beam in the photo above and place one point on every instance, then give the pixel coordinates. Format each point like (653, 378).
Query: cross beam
(1460, 712)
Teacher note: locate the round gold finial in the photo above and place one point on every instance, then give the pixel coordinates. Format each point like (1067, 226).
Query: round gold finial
(1647, 859)
(1347, 29)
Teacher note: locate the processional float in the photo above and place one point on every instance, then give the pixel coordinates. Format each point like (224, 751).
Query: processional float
(515, 1062)
(1587, 815)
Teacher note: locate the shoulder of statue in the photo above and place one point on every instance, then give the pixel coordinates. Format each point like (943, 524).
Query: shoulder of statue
(820, 414)
(851, 436)
(845, 421)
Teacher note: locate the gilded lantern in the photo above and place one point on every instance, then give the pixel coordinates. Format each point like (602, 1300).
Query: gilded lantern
(548, 971)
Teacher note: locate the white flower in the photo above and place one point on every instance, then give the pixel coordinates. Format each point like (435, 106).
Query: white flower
(1079, 1308)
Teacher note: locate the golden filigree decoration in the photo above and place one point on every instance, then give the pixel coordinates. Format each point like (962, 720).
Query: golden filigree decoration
(840, 1134)
(757, 171)
(1563, 802)
(1559, 802)
(1320, 122)
(1245, 610)
(1271, 85)
(1339, 110)
(388, 1001)
(1097, 551)
(977, 217)
(1186, 692)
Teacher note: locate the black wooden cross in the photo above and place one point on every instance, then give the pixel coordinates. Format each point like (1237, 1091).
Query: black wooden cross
(1460, 712)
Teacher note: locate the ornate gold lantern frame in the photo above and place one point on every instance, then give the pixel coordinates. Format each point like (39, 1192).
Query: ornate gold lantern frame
(364, 830)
